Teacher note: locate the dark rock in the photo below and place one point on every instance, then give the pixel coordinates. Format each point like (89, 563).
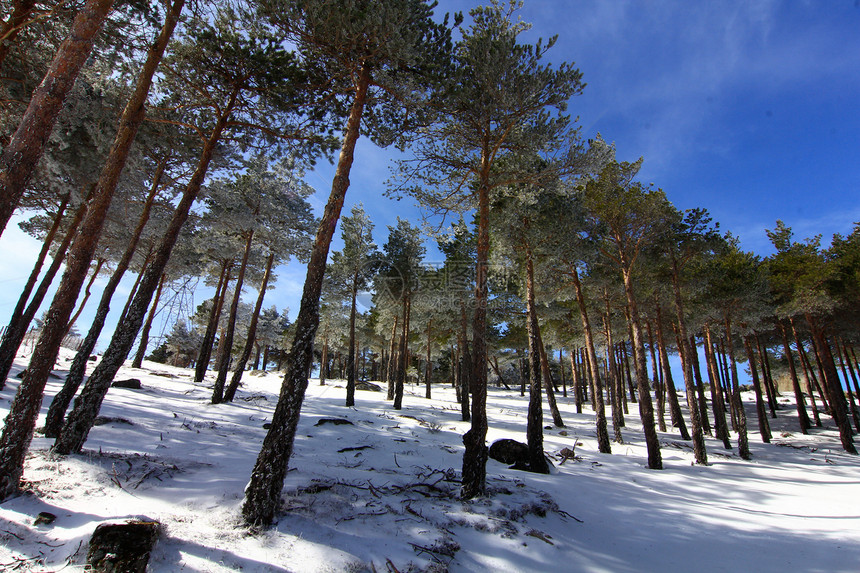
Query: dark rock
(122, 547)
(45, 518)
(21, 374)
(509, 451)
(92, 358)
(333, 421)
(102, 420)
(132, 383)
(267, 425)
(368, 386)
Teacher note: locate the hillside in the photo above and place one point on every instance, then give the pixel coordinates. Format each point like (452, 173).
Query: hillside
(380, 494)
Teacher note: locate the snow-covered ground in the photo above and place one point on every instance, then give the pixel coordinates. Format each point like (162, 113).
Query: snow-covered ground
(381, 494)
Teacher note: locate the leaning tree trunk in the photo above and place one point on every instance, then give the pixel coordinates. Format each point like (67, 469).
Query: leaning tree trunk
(137, 362)
(14, 442)
(851, 404)
(88, 292)
(82, 417)
(700, 386)
(603, 445)
(743, 443)
(657, 380)
(205, 352)
(717, 402)
(816, 418)
(548, 385)
(534, 424)
(224, 364)
(687, 364)
(23, 151)
(761, 411)
(766, 377)
(669, 381)
(838, 408)
(802, 416)
(63, 398)
(252, 333)
(19, 323)
(263, 492)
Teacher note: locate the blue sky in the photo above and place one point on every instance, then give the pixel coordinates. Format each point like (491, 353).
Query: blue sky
(750, 109)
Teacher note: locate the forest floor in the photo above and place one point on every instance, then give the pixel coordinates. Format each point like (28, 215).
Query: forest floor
(380, 494)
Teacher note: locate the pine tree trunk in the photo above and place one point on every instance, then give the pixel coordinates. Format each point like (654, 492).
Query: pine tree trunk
(548, 385)
(263, 492)
(669, 381)
(816, 418)
(575, 380)
(428, 367)
(465, 366)
(761, 412)
(612, 377)
(743, 443)
(252, 334)
(851, 370)
(851, 404)
(350, 360)
(324, 360)
(80, 420)
(87, 294)
(204, 355)
(19, 322)
(403, 354)
(802, 416)
(657, 382)
(838, 407)
(18, 312)
(686, 353)
(603, 445)
(534, 424)
(717, 402)
(224, 365)
(700, 386)
(137, 362)
(24, 150)
(390, 370)
(769, 387)
(63, 398)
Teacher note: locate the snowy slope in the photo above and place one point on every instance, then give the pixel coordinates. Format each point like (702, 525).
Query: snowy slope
(381, 494)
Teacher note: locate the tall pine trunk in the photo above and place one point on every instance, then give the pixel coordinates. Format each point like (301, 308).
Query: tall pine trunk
(743, 443)
(593, 369)
(224, 364)
(350, 360)
(137, 362)
(534, 424)
(761, 411)
(802, 416)
(669, 381)
(252, 334)
(717, 402)
(809, 390)
(205, 352)
(24, 150)
(263, 492)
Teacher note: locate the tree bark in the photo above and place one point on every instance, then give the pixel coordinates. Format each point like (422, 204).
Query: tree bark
(87, 294)
(391, 369)
(700, 386)
(63, 398)
(80, 421)
(24, 150)
(534, 425)
(137, 362)
(428, 367)
(612, 377)
(205, 353)
(224, 365)
(262, 495)
(761, 411)
(350, 360)
(403, 353)
(603, 445)
(717, 401)
(743, 443)
(816, 418)
(23, 314)
(851, 404)
(252, 333)
(669, 381)
(769, 387)
(838, 406)
(657, 382)
(9, 29)
(802, 416)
